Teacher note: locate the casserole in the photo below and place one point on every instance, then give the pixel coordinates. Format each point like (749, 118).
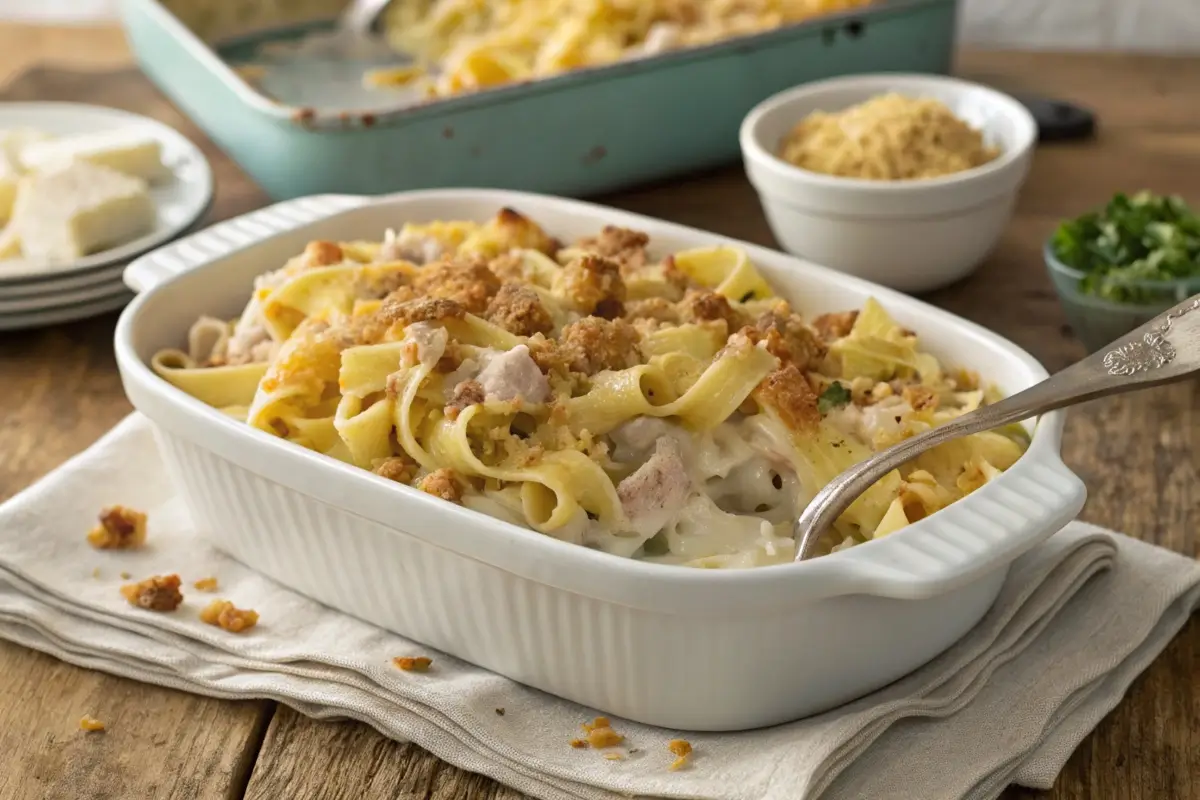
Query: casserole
(644, 641)
(593, 130)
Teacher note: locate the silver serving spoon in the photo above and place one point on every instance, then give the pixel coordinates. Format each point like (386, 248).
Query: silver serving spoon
(1165, 349)
(358, 18)
(353, 36)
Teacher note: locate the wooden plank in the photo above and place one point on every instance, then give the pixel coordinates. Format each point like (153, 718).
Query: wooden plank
(156, 742)
(356, 762)
(66, 46)
(61, 392)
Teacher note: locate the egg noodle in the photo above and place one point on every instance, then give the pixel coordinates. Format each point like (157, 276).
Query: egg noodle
(669, 408)
(468, 45)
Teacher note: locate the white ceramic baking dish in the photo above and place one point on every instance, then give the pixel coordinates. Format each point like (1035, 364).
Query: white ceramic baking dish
(678, 647)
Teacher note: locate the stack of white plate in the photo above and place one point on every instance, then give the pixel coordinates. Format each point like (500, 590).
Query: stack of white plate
(33, 295)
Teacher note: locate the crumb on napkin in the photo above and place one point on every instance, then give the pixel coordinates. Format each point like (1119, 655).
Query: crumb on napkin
(227, 617)
(157, 593)
(206, 584)
(682, 750)
(90, 724)
(600, 734)
(119, 528)
(412, 664)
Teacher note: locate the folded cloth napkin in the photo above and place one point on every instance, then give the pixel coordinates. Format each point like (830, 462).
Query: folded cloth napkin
(1075, 623)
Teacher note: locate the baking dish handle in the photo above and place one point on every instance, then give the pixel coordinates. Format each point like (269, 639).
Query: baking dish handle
(233, 234)
(997, 524)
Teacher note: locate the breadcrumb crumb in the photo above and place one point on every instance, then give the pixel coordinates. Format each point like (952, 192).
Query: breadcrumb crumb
(224, 615)
(90, 724)
(578, 744)
(600, 733)
(206, 584)
(835, 325)
(790, 394)
(614, 756)
(125, 575)
(682, 750)
(157, 593)
(519, 310)
(396, 468)
(119, 528)
(442, 483)
(412, 663)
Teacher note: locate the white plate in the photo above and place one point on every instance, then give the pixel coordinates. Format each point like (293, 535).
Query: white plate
(53, 300)
(56, 316)
(179, 200)
(58, 285)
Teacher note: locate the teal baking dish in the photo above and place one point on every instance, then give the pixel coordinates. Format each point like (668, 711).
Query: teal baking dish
(578, 134)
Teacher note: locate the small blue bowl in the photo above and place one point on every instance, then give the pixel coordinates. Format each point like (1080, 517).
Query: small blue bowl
(1098, 322)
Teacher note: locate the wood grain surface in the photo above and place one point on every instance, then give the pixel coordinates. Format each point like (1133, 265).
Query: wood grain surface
(1136, 453)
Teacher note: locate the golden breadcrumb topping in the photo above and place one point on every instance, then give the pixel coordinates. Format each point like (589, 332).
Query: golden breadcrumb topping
(412, 663)
(600, 734)
(397, 468)
(90, 724)
(519, 310)
(443, 483)
(790, 394)
(119, 528)
(156, 593)
(466, 281)
(227, 617)
(682, 750)
(835, 325)
(626, 247)
(593, 283)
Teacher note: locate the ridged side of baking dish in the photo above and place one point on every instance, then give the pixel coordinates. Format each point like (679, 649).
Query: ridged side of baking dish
(682, 648)
(577, 134)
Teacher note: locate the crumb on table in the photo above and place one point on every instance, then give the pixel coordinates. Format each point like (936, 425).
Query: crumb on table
(206, 585)
(157, 593)
(118, 528)
(499, 712)
(682, 750)
(227, 617)
(96, 572)
(90, 724)
(579, 744)
(412, 663)
(614, 756)
(124, 575)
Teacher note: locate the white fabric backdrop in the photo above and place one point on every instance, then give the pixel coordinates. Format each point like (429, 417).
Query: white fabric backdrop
(1148, 25)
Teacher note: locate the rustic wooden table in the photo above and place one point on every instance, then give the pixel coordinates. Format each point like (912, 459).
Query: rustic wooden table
(1138, 455)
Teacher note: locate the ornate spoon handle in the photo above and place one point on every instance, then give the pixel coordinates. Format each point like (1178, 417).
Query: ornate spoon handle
(1163, 350)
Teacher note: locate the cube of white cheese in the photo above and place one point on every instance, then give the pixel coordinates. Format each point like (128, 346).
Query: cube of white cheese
(78, 210)
(131, 151)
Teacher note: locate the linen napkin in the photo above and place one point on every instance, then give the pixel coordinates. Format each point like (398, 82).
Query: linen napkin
(1078, 619)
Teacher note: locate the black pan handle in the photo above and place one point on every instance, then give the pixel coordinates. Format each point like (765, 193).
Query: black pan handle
(1058, 120)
